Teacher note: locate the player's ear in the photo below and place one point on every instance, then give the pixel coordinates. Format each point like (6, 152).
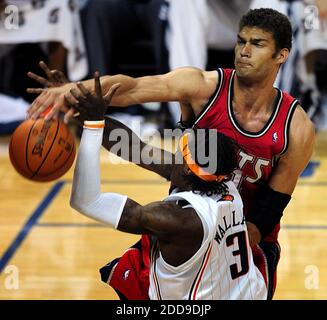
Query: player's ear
(282, 55)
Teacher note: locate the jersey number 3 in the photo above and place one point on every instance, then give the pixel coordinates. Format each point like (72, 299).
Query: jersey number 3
(242, 252)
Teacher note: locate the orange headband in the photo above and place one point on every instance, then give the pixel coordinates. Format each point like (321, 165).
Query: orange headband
(194, 167)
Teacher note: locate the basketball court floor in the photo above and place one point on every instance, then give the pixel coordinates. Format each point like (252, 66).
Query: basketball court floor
(49, 251)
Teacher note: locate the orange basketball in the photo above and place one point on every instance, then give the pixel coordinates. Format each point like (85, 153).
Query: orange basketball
(42, 150)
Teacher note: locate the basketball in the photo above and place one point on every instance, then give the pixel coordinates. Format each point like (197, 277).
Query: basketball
(42, 150)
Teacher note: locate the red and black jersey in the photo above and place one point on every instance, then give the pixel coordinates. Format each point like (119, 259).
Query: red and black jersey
(260, 150)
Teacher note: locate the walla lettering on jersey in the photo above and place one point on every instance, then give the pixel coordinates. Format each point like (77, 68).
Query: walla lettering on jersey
(260, 150)
(221, 229)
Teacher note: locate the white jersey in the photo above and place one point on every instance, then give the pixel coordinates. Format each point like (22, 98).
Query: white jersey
(223, 266)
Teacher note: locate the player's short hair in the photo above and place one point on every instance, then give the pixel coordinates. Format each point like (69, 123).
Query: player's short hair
(221, 150)
(271, 21)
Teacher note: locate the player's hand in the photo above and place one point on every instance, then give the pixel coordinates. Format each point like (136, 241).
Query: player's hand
(57, 86)
(51, 97)
(55, 78)
(91, 106)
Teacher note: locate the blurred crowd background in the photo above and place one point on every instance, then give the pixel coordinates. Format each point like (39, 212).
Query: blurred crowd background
(144, 37)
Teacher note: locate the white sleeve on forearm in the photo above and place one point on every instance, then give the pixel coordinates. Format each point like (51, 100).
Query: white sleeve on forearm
(86, 196)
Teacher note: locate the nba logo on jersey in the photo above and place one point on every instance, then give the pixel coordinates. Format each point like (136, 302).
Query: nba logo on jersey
(126, 274)
(274, 137)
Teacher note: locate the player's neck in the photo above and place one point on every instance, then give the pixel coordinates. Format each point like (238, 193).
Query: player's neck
(255, 96)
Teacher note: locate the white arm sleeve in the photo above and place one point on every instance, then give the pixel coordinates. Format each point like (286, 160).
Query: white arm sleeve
(86, 196)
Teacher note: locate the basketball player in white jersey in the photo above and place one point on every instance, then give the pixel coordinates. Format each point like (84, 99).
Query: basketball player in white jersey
(200, 247)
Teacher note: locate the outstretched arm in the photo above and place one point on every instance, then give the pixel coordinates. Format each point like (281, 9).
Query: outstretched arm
(190, 86)
(161, 160)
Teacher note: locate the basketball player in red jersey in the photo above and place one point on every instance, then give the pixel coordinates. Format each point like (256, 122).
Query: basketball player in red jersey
(271, 125)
